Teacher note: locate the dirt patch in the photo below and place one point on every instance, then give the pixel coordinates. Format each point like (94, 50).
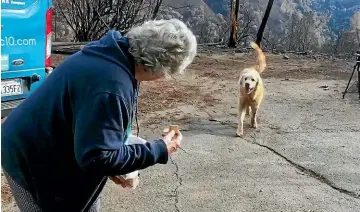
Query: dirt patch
(219, 63)
(304, 68)
(161, 95)
(167, 100)
(228, 67)
(6, 196)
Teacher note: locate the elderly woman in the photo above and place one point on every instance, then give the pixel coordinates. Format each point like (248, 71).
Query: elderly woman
(60, 145)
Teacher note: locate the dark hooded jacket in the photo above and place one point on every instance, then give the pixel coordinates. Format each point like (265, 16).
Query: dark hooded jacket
(70, 132)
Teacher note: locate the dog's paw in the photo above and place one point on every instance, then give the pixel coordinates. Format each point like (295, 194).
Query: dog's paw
(254, 124)
(240, 133)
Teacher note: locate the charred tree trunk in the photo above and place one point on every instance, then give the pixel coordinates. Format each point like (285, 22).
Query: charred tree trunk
(234, 17)
(156, 8)
(263, 22)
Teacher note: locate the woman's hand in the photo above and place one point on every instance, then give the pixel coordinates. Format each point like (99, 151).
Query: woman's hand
(118, 180)
(172, 140)
(126, 183)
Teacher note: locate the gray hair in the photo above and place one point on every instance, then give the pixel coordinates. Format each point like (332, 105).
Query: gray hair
(163, 45)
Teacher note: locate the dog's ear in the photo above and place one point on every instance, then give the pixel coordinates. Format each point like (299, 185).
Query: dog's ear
(241, 78)
(257, 85)
(259, 82)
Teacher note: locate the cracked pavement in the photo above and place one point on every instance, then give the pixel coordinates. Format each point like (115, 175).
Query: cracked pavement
(304, 157)
(179, 179)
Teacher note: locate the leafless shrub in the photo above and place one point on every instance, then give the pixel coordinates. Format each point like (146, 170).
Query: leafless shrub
(90, 19)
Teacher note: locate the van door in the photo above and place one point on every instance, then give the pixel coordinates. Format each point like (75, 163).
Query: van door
(23, 46)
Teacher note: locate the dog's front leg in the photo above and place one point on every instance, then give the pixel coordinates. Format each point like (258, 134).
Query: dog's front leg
(248, 110)
(254, 110)
(241, 117)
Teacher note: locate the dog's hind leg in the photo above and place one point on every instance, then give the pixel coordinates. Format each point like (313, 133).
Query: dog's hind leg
(241, 117)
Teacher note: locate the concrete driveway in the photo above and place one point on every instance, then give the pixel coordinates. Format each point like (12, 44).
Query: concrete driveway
(305, 156)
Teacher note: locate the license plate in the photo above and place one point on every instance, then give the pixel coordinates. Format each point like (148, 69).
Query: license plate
(11, 87)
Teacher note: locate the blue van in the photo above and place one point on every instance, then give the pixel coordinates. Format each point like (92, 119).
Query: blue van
(26, 27)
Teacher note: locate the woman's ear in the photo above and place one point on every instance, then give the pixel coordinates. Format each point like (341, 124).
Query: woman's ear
(143, 73)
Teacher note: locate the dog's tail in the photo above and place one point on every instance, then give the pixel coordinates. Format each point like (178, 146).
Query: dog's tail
(261, 62)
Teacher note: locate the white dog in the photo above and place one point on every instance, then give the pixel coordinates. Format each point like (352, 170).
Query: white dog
(251, 90)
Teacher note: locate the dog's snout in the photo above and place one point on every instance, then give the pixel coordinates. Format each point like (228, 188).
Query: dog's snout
(247, 85)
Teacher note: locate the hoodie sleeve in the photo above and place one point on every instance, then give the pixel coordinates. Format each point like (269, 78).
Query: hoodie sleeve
(100, 127)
